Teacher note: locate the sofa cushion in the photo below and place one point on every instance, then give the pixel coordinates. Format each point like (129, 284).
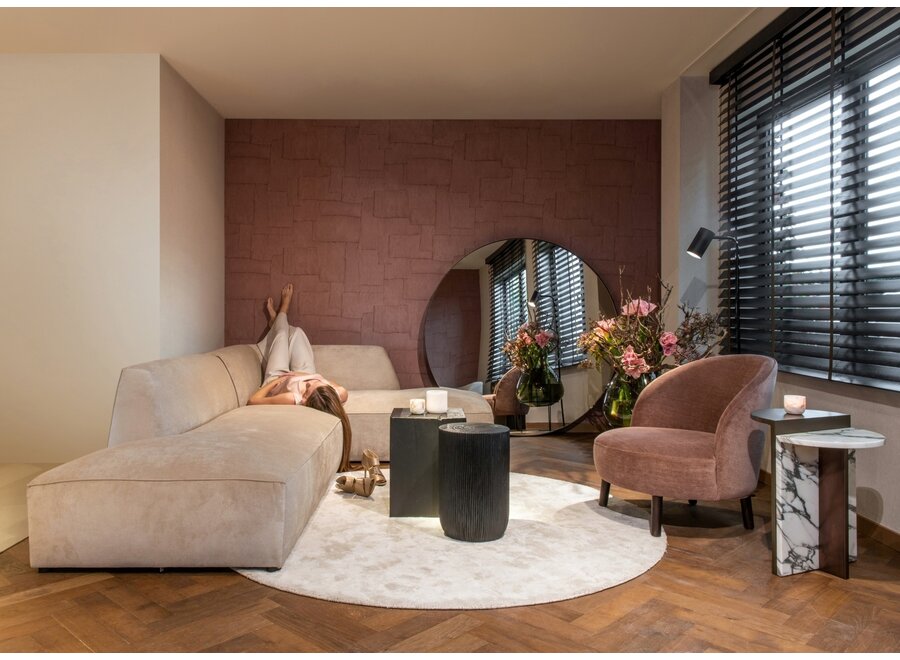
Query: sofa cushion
(168, 397)
(234, 492)
(357, 367)
(370, 415)
(244, 365)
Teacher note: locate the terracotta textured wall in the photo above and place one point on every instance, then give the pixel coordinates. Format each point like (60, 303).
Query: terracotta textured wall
(453, 329)
(366, 217)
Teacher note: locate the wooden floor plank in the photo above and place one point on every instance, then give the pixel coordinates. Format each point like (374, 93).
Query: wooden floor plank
(713, 591)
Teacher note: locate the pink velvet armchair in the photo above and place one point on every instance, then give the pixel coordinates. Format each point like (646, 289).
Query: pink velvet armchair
(691, 436)
(507, 408)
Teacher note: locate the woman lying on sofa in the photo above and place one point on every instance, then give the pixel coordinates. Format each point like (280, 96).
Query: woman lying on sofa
(291, 377)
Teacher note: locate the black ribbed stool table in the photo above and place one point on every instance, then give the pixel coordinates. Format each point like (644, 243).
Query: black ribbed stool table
(473, 462)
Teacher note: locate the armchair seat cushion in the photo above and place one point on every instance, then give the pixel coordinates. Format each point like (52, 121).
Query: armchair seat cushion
(674, 463)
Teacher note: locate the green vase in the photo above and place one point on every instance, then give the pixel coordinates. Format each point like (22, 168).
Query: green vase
(620, 396)
(539, 386)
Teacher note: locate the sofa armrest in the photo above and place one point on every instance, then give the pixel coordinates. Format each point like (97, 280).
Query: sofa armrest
(356, 367)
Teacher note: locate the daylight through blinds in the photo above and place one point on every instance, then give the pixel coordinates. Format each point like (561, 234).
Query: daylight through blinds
(810, 187)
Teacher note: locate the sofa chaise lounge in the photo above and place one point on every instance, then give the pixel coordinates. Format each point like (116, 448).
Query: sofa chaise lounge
(194, 477)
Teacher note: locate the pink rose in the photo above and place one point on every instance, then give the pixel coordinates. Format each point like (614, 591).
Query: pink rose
(543, 338)
(633, 364)
(668, 341)
(604, 327)
(640, 307)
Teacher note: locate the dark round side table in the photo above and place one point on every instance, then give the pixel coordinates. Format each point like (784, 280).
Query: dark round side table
(473, 463)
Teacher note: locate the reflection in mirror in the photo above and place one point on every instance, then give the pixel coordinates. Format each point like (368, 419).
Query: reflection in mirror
(484, 299)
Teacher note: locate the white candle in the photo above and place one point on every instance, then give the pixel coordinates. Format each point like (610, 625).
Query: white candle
(417, 406)
(794, 404)
(436, 401)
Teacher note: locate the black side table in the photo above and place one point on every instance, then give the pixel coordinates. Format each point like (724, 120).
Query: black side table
(414, 461)
(474, 481)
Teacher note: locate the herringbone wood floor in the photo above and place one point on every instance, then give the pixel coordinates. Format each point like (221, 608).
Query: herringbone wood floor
(712, 591)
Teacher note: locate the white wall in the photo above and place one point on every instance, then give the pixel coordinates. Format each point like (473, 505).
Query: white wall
(111, 206)
(79, 258)
(192, 219)
(689, 165)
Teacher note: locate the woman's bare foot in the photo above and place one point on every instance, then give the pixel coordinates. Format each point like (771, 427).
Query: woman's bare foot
(270, 310)
(286, 293)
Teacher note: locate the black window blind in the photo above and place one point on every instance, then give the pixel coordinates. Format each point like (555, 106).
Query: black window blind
(810, 188)
(559, 285)
(508, 302)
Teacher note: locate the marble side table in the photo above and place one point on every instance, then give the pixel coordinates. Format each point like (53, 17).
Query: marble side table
(815, 487)
(780, 422)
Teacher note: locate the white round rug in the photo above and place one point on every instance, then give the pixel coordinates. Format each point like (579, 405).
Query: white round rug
(559, 544)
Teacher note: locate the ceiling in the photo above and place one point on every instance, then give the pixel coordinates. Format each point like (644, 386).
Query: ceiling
(450, 63)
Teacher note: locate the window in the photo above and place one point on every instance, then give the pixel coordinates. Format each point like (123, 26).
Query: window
(559, 284)
(810, 188)
(508, 302)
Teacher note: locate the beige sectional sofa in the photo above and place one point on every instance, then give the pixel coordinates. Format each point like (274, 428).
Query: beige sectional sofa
(193, 477)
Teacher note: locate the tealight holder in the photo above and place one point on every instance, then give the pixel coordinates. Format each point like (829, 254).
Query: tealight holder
(794, 404)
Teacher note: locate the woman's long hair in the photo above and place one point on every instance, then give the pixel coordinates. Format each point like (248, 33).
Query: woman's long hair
(326, 399)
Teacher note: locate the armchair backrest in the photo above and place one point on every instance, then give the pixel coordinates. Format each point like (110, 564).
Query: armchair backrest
(740, 440)
(505, 401)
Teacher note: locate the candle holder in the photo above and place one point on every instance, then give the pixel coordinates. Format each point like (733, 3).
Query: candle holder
(794, 404)
(436, 401)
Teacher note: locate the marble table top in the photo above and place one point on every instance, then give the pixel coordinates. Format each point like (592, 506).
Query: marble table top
(848, 438)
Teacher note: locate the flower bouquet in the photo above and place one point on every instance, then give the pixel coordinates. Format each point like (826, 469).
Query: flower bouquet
(529, 350)
(637, 347)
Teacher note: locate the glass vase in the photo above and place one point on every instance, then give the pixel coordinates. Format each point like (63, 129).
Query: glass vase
(539, 386)
(620, 396)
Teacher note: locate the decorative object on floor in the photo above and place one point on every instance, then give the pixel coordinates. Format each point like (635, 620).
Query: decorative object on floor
(473, 463)
(637, 347)
(436, 401)
(362, 486)
(815, 505)
(414, 459)
(372, 467)
(794, 404)
(539, 387)
(620, 396)
(781, 422)
(559, 544)
(529, 350)
(507, 408)
(692, 437)
(697, 249)
(417, 406)
(536, 310)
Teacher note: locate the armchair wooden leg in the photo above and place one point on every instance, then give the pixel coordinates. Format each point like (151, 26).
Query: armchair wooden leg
(747, 512)
(692, 502)
(604, 493)
(656, 505)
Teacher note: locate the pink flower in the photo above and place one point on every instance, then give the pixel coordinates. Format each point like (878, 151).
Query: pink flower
(543, 338)
(640, 307)
(526, 339)
(668, 341)
(632, 363)
(603, 327)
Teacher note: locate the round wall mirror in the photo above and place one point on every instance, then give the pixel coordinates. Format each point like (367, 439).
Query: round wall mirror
(482, 302)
